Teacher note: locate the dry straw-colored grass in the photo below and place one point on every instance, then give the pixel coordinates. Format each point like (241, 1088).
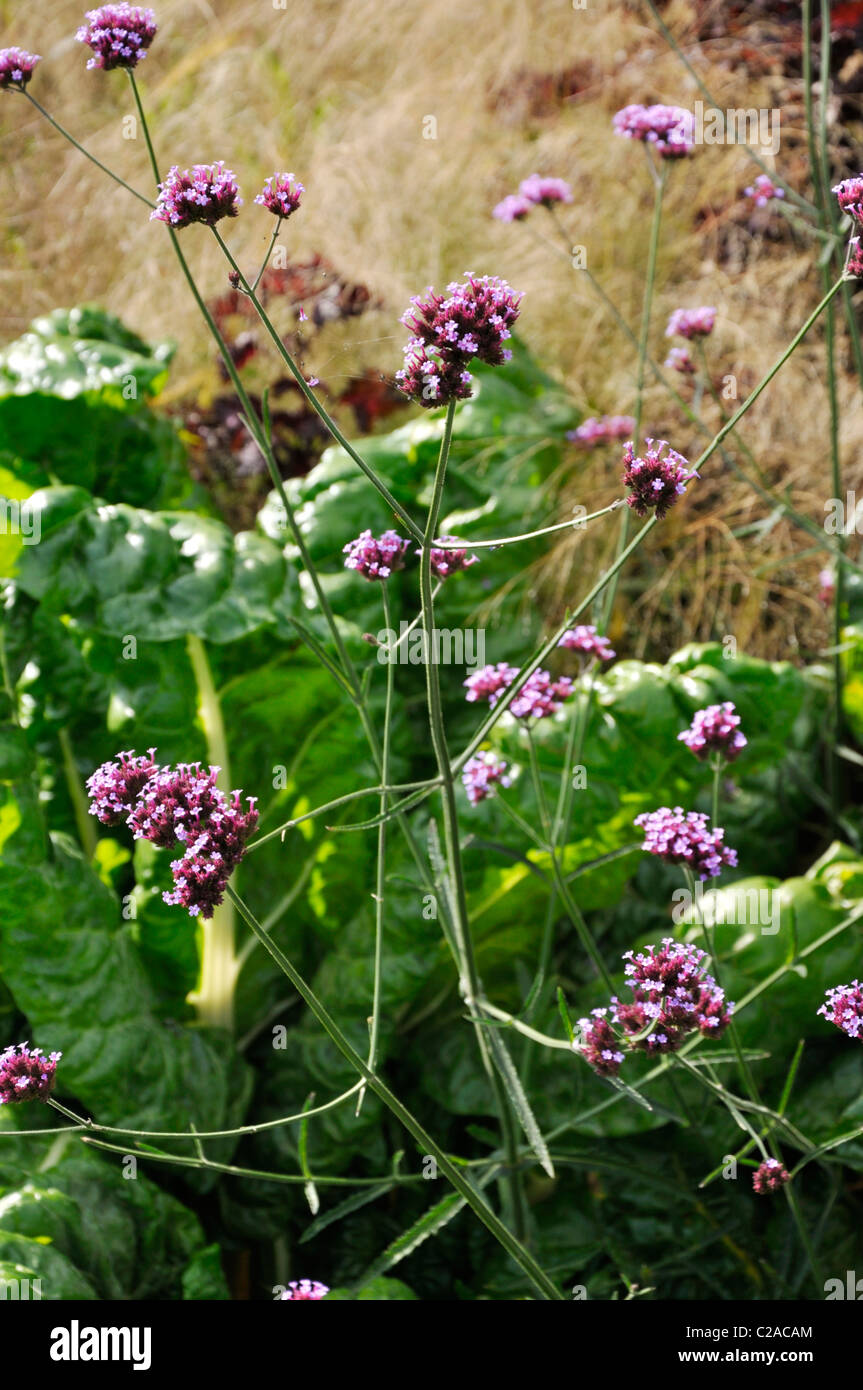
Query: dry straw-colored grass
(340, 92)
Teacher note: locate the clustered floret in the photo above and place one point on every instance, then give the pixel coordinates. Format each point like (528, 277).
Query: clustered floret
(182, 805)
(769, 1176)
(205, 193)
(540, 696)
(376, 557)
(473, 319)
(447, 562)
(844, 1007)
(715, 730)
(672, 996)
(762, 190)
(691, 323)
(119, 35)
(656, 480)
(534, 191)
(16, 67)
(26, 1074)
(670, 130)
(600, 431)
(680, 360)
(281, 194)
(308, 1289)
(482, 773)
(586, 640)
(684, 837)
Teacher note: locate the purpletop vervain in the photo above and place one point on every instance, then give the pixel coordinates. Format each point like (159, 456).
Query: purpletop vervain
(376, 558)
(844, 1007)
(281, 194)
(691, 323)
(601, 431)
(715, 730)
(16, 67)
(205, 193)
(670, 130)
(119, 35)
(588, 641)
(656, 480)
(769, 1176)
(26, 1074)
(482, 773)
(308, 1289)
(680, 837)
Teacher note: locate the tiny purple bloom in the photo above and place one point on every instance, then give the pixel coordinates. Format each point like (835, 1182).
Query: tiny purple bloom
(769, 1176)
(544, 192)
(588, 641)
(447, 562)
(762, 190)
(844, 1007)
(480, 775)
(26, 1074)
(656, 480)
(680, 360)
(115, 786)
(601, 431)
(679, 837)
(281, 194)
(513, 208)
(119, 35)
(714, 730)
(16, 67)
(205, 193)
(691, 323)
(670, 130)
(308, 1289)
(376, 558)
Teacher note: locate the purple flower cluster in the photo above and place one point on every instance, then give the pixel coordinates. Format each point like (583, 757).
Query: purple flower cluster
(769, 1176)
(670, 130)
(534, 191)
(679, 837)
(826, 586)
(473, 319)
(656, 480)
(601, 431)
(376, 557)
(16, 67)
(691, 323)
(849, 194)
(205, 193)
(855, 258)
(119, 35)
(482, 773)
(715, 730)
(672, 995)
(26, 1074)
(539, 697)
(844, 1007)
(762, 190)
(599, 1044)
(308, 1289)
(586, 640)
(680, 360)
(447, 562)
(490, 682)
(181, 805)
(281, 194)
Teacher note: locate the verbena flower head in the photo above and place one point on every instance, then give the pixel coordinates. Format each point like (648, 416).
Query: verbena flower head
(115, 786)
(376, 557)
(656, 480)
(672, 996)
(119, 35)
(769, 1176)
(691, 323)
(205, 193)
(490, 682)
(680, 360)
(541, 696)
(432, 378)
(715, 730)
(762, 190)
(182, 805)
(670, 130)
(304, 1289)
(26, 1074)
(599, 1044)
(482, 773)
(281, 194)
(849, 195)
(544, 192)
(595, 431)
(473, 319)
(679, 837)
(447, 562)
(588, 641)
(844, 1007)
(513, 208)
(16, 67)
